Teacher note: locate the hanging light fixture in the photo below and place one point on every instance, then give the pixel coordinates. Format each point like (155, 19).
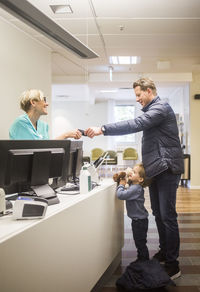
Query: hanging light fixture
(110, 72)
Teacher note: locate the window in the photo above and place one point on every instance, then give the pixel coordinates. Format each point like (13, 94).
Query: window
(121, 113)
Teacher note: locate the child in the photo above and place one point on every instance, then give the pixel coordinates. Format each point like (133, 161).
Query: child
(134, 196)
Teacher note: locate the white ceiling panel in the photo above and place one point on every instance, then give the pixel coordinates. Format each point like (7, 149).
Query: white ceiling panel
(147, 9)
(151, 41)
(93, 41)
(156, 30)
(148, 26)
(79, 26)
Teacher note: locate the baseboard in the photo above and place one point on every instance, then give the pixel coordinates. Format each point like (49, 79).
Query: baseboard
(194, 187)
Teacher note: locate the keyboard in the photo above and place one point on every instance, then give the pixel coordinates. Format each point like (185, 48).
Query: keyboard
(12, 197)
(70, 188)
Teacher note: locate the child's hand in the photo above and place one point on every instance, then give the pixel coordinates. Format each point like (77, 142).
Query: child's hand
(129, 170)
(122, 182)
(130, 178)
(120, 178)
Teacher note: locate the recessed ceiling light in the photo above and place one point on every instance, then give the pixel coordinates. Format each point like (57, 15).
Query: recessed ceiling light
(58, 9)
(124, 60)
(110, 72)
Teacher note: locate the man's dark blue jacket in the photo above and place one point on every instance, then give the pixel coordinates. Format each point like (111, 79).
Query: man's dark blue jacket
(161, 149)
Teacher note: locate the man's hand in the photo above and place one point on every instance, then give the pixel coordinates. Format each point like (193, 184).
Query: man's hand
(93, 131)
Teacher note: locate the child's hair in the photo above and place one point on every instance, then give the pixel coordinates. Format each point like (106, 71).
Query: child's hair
(123, 175)
(146, 182)
(118, 176)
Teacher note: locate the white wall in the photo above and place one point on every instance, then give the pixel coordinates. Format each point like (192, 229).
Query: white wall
(25, 64)
(194, 131)
(71, 108)
(67, 115)
(179, 101)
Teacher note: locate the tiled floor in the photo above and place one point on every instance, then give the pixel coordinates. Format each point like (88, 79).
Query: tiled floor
(189, 225)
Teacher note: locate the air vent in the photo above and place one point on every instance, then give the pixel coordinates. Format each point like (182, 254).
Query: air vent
(61, 9)
(32, 16)
(125, 88)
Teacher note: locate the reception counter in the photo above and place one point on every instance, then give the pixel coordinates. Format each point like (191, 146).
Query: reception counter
(67, 251)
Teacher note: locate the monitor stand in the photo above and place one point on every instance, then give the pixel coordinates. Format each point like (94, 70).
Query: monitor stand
(46, 192)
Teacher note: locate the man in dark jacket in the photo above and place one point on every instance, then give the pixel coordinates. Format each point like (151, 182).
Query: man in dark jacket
(163, 161)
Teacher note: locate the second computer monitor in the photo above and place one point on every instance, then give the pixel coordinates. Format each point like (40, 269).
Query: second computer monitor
(75, 161)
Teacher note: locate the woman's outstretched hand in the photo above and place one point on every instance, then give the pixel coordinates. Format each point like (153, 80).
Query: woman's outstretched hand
(76, 134)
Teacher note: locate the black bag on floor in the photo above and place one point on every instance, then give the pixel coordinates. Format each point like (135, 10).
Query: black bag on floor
(144, 275)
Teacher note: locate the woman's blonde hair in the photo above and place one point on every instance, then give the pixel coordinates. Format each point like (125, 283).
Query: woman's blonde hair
(27, 96)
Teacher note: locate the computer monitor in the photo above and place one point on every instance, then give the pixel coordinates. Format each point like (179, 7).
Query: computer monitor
(75, 161)
(27, 163)
(33, 167)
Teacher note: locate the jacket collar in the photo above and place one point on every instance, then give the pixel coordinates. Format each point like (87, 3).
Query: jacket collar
(145, 108)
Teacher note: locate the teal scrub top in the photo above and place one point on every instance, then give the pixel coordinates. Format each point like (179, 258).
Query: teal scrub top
(23, 129)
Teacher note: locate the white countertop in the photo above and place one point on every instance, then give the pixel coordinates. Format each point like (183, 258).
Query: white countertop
(10, 227)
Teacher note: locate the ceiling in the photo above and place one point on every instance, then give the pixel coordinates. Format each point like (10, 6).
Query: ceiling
(160, 32)
(155, 30)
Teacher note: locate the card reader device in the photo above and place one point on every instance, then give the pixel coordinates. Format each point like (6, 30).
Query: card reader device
(26, 207)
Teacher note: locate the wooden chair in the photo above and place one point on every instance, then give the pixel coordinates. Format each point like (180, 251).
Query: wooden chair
(130, 155)
(96, 153)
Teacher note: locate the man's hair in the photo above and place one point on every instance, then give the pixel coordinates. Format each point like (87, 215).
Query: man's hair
(27, 96)
(145, 83)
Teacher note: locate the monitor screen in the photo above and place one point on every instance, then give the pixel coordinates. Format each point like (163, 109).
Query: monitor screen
(24, 163)
(75, 161)
(31, 167)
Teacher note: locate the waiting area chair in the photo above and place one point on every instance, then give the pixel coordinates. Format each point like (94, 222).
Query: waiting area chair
(130, 155)
(96, 153)
(86, 159)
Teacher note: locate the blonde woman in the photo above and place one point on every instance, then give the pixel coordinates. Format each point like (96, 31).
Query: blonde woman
(29, 126)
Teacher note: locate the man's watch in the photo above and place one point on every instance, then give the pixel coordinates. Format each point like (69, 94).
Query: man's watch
(103, 130)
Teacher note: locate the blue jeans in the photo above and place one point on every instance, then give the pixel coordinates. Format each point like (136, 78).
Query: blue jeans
(163, 203)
